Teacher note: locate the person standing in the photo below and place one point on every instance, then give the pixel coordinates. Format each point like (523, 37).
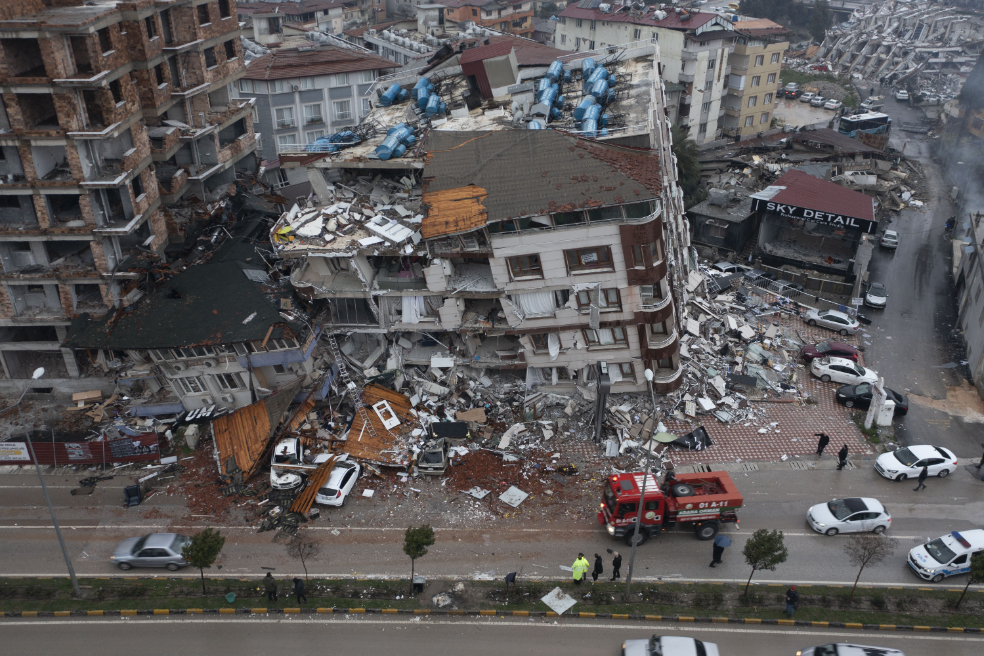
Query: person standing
(580, 568)
(270, 585)
(599, 568)
(616, 566)
(822, 444)
(299, 590)
(792, 600)
(720, 543)
(922, 478)
(842, 458)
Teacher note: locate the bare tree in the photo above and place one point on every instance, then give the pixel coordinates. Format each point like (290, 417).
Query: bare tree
(867, 549)
(303, 546)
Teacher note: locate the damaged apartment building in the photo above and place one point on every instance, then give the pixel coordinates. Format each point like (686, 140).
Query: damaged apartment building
(111, 112)
(474, 240)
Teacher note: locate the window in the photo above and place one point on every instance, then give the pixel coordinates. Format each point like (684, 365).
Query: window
(137, 185)
(760, 60)
(710, 64)
(312, 114)
(117, 91)
(474, 12)
(209, 53)
(151, 27)
(577, 23)
(340, 80)
(224, 11)
(664, 363)
(752, 101)
(282, 179)
(756, 80)
(705, 107)
(590, 45)
(366, 106)
(606, 337)
(342, 109)
(771, 79)
(708, 86)
(775, 57)
(608, 300)
(194, 352)
(368, 76)
(285, 117)
(203, 18)
(767, 100)
(587, 259)
(287, 140)
(278, 86)
(764, 118)
(655, 36)
(540, 342)
(717, 229)
(279, 369)
(637, 34)
(105, 40)
(191, 385)
(159, 74)
(702, 129)
(314, 136)
(525, 266)
(230, 49)
(307, 83)
(230, 381)
(658, 330)
(592, 25)
(749, 121)
(563, 38)
(624, 368)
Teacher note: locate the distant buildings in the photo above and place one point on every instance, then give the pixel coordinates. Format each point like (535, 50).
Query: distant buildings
(756, 65)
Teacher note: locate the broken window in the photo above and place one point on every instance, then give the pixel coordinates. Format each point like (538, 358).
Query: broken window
(230, 49)
(193, 352)
(166, 26)
(203, 18)
(159, 74)
(606, 337)
(608, 300)
(352, 311)
(224, 11)
(588, 259)
(38, 111)
(191, 385)
(230, 382)
(88, 298)
(137, 186)
(525, 266)
(117, 90)
(151, 27)
(105, 41)
(23, 57)
(568, 218)
(209, 55)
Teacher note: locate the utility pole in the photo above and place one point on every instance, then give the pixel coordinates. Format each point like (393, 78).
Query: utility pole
(642, 496)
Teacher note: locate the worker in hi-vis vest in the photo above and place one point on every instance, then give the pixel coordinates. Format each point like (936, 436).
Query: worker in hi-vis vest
(580, 568)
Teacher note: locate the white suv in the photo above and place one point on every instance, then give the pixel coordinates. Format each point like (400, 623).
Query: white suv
(890, 240)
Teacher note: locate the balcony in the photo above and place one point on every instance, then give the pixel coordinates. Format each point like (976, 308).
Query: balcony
(687, 78)
(732, 111)
(688, 55)
(286, 123)
(314, 120)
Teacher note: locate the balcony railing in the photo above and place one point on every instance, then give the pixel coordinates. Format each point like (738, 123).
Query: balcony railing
(314, 120)
(686, 77)
(287, 123)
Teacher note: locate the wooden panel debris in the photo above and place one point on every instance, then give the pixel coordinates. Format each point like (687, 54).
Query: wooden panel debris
(381, 449)
(453, 211)
(315, 481)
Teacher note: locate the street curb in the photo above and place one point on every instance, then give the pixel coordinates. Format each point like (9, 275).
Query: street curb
(681, 619)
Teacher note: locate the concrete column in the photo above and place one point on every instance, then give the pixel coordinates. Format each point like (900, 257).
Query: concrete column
(70, 363)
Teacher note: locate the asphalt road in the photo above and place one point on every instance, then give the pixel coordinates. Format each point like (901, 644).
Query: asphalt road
(773, 499)
(423, 637)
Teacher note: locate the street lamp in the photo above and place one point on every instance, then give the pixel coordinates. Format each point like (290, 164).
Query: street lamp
(642, 497)
(30, 445)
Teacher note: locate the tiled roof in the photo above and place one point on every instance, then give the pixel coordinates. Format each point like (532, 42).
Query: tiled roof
(544, 25)
(528, 172)
(805, 190)
(528, 53)
(379, 27)
(760, 27)
(325, 60)
(671, 22)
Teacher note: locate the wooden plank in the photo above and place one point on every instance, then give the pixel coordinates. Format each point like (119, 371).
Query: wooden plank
(267, 337)
(453, 211)
(315, 481)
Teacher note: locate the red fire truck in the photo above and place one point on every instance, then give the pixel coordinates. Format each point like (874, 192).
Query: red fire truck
(701, 501)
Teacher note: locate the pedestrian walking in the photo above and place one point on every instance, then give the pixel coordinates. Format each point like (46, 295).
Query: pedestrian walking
(580, 568)
(822, 444)
(923, 475)
(982, 458)
(720, 543)
(299, 590)
(599, 568)
(792, 600)
(270, 585)
(842, 458)
(616, 565)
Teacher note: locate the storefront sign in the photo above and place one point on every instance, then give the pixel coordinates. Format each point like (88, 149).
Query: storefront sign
(14, 451)
(787, 211)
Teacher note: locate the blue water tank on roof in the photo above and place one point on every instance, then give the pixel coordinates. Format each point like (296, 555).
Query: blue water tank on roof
(534, 125)
(556, 70)
(592, 113)
(391, 96)
(583, 107)
(589, 127)
(600, 90)
(587, 66)
(423, 97)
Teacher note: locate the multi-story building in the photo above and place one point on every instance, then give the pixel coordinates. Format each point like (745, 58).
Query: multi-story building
(303, 94)
(694, 51)
(969, 288)
(110, 111)
(755, 62)
(269, 22)
(510, 16)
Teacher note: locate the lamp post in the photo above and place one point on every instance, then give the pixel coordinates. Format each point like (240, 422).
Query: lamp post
(30, 445)
(642, 496)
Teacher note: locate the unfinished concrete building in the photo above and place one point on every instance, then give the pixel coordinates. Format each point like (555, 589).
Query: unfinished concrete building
(110, 110)
(489, 246)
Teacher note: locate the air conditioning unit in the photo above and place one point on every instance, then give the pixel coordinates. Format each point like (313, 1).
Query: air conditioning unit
(207, 400)
(179, 366)
(647, 292)
(295, 87)
(228, 398)
(210, 362)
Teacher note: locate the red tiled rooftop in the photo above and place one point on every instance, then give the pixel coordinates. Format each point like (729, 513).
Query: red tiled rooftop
(805, 190)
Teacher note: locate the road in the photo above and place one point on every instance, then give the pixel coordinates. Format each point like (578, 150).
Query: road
(426, 637)
(774, 499)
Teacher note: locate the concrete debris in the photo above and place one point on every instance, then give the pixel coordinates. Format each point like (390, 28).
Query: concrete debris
(513, 496)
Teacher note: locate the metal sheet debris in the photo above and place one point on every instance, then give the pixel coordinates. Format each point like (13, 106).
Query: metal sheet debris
(513, 496)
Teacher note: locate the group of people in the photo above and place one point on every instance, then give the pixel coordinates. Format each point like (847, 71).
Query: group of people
(582, 566)
(270, 587)
(842, 459)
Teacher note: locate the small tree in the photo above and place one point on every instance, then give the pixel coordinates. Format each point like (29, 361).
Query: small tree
(415, 543)
(820, 20)
(764, 550)
(976, 573)
(867, 549)
(303, 546)
(202, 550)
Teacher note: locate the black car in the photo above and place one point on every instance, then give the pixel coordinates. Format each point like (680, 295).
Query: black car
(859, 396)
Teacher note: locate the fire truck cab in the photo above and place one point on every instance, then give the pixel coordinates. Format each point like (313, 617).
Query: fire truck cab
(700, 501)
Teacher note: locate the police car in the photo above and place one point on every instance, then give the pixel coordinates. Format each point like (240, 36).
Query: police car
(848, 649)
(947, 555)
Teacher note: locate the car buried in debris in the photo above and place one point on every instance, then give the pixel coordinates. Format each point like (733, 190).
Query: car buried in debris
(433, 459)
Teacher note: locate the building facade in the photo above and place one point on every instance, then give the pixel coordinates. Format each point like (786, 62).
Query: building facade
(756, 65)
(970, 288)
(502, 15)
(110, 113)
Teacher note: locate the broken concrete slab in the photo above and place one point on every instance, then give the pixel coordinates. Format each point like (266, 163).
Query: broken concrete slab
(513, 496)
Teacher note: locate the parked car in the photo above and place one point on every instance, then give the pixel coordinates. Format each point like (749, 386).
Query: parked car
(854, 515)
(890, 239)
(833, 104)
(872, 104)
(669, 646)
(808, 97)
(859, 396)
(289, 451)
(901, 94)
(848, 649)
(340, 482)
(817, 101)
(434, 458)
(834, 320)
(153, 550)
(946, 555)
(876, 296)
(791, 94)
(725, 268)
(791, 86)
(841, 370)
(833, 349)
(908, 462)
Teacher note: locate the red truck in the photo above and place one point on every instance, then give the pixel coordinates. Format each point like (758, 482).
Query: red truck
(701, 501)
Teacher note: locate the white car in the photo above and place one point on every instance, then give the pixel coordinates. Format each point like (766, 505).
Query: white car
(808, 97)
(288, 451)
(669, 646)
(947, 555)
(841, 370)
(848, 649)
(908, 462)
(854, 515)
(725, 268)
(876, 296)
(901, 94)
(340, 482)
(833, 104)
(818, 101)
(834, 320)
(890, 240)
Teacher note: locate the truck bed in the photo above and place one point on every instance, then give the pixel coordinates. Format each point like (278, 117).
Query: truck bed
(713, 487)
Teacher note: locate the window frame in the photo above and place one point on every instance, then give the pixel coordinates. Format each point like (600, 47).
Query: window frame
(756, 81)
(759, 60)
(771, 79)
(341, 116)
(312, 118)
(776, 57)
(188, 388)
(532, 261)
(600, 264)
(340, 80)
(285, 123)
(611, 296)
(224, 380)
(619, 335)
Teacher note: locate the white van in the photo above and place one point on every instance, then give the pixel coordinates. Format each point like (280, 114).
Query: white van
(947, 555)
(848, 649)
